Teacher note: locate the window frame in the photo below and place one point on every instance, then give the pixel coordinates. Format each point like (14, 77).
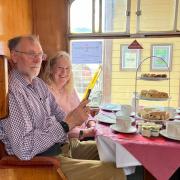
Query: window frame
(100, 34)
(127, 34)
(175, 28)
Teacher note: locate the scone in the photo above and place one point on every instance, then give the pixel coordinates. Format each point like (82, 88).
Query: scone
(152, 93)
(163, 95)
(156, 115)
(152, 75)
(143, 93)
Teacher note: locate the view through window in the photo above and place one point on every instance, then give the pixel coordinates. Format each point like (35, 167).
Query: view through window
(110, 20)
(86, 57)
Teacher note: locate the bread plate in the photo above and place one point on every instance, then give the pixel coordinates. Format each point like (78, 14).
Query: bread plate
(152, 99)
(111, 107)
(153, 78)
(105, 118)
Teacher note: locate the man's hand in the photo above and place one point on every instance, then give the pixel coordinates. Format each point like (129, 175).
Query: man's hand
(78, 115)
(90, 132)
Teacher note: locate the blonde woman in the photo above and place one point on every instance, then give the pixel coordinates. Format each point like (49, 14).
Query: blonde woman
(59, 78)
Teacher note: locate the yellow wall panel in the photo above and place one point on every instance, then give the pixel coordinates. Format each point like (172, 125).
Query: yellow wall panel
(124, 81)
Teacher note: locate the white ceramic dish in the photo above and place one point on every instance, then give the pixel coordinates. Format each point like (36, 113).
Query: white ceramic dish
(156, 121)
(111, 107)
(163, 133)
(171, 111)
(177, 117)
(105, 118)
(153, 79)
(178, 111)
(117, 128)
(132, 118)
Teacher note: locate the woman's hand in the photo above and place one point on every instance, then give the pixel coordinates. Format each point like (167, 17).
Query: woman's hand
(91, 123)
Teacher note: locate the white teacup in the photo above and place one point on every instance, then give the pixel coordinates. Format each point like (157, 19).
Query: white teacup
(123, 121)
(171, 110)
(126, 109)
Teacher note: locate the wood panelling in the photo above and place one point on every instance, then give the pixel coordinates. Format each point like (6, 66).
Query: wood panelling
(29, 174)
(50, 23)
(3, 87)
(46, 18)
(15, 19)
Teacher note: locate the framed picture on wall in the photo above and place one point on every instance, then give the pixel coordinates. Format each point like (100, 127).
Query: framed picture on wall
(130, 58)
(161, 57)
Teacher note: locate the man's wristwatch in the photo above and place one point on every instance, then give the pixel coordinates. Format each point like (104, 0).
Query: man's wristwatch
(65, 126)
(81, 134)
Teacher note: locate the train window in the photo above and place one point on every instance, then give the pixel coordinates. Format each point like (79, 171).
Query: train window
(117, 18)
(178, 19)
(161, 20)
(81, 16)
(86, 56)
(95, 16)
(113, 20)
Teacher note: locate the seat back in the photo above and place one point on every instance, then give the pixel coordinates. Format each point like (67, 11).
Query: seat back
(3, 95)
(3, 86)
(2, 150)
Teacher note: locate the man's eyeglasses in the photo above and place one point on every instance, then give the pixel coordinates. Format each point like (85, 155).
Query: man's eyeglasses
(34, 55)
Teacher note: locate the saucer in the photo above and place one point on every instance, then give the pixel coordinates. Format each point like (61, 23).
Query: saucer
(105, 118)
(117, 128)
(164, 133)
(111, 107)
(177, 117)
(178, 111)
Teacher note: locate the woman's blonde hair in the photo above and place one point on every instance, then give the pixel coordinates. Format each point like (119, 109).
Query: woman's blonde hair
(47, 75)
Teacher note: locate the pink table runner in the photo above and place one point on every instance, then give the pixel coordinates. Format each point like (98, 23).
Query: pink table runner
(160, 156)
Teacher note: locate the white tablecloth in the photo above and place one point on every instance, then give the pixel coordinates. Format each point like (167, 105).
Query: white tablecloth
(113, 151)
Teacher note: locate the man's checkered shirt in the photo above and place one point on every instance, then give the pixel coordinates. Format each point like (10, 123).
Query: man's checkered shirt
(32, 125)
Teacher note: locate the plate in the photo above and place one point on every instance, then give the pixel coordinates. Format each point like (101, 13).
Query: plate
(178, 111)
(163, 133)
(105, 118)
(153, 99)
(117, 128)
(177, 117)
(170, 110)
(111, 107)
(156, 121)
(153, 79)
(152, 120)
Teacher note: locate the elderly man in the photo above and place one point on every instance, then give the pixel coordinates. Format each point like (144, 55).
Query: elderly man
(36, 125)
